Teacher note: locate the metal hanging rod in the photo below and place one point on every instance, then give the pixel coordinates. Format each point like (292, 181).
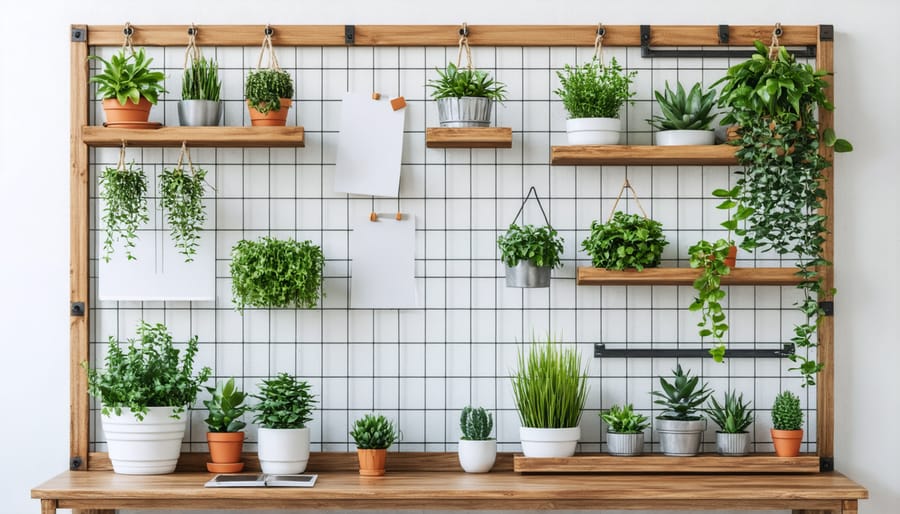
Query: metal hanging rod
(600, 350)
(724, 32)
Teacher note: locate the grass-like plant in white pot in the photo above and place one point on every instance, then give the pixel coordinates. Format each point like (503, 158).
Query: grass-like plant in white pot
(225, 436)
(787, 424)
(465, 96)
(625, 437)
(733, 416)
(374, 434)
(285, 406)
(550, 388)
(593, 94)
(145, 391)
(477, 449)
(686, 117)
(530, 253)
(681, 425)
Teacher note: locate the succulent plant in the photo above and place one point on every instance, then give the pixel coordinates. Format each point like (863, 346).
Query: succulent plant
(786, 413)
(681, 398)
(684, 111)
(284, 402)
(373, 432)
(226, 406)
(733, 415)
(476, 424)
(623, 420)
(454, 82)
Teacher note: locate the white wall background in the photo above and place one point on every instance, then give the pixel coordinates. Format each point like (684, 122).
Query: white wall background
(34, 174)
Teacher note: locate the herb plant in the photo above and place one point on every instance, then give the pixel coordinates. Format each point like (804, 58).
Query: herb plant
(454, 82)
(594, 90)
(276, 273)
(542, 246)
(264, 89)
(623, 420)
(682, 398)
(127, 77)
(625, 241)
(684, 111)
(550, 385)
(148, 372)
(181, 196)
(373, 432)
(201, 81)
(284, 402)
(786, 413)
(124, 193)
(733, 415)
(475, 424)
(226, 406)
(710, 258)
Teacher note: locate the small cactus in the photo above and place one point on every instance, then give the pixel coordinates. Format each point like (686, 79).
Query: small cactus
(786, 413)
(476, 424)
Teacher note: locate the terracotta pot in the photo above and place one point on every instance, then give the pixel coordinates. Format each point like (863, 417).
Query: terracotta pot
(129, 113)
(371, 462)
(731, 259)
(787, 442)
(225, 449)
(272, 118)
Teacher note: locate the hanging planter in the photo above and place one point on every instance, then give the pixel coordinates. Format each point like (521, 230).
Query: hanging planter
(268, 91)
(200, 105)
(181, 197)
(123, 190)
(528, 252)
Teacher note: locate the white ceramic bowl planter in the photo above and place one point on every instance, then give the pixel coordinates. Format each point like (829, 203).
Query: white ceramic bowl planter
(685, 137)
(477, 456)
(283, 450)
(549, 442)
(148, 447)
(593, 131)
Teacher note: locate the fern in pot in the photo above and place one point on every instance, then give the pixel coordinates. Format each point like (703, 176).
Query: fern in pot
(686, 116)
(593, 94)
(477, 449)
(285, 406)
(733, 416)
(625, 436)
(465, 97)
(200, 105)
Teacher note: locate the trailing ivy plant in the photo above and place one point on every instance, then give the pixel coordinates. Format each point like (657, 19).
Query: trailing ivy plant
(264, 89)
(542, 246)
(625, 241)
(594, 90)
(276, 273)
(181, 197)
(123, 190)
(284, 402)
(773, 100)
(710, 258)
(454, 82)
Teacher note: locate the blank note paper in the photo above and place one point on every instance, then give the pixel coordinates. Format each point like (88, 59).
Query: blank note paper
(370, 146)
(383, 266)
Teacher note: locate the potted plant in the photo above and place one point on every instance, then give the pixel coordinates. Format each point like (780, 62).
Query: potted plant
(550, 388)
(733, 417)
(181, 197)
(200, 88)
(268, 93)
(373, 434)
(465, 97)
(593, 94)
(123, 190)
(144, 391)
(686, 117)
(713, 261)
(225, 439)
(128, 88)
(285, 406)
(625, 436)
(680, 426)
(529, 254)
(477, 449)
(787, 424)
(273, 272)
(625, 241)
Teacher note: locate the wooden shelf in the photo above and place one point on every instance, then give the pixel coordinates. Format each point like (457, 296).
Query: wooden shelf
(704, 463)
(588, 276)
(618, 155)
(469, 137)
(222, 137)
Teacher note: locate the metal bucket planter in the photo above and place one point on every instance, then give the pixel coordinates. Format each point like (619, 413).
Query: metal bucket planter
(468, 111)
(199, 113)
(733, 445)
(680, 438)
(625, 445)
(526, 274)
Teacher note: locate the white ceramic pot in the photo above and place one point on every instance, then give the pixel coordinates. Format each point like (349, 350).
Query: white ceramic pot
(734, 445)
(477, 456)
(283, 450)
(685, 137)
(549, 442)
(148, 447)
(593, 131)
(625, 445)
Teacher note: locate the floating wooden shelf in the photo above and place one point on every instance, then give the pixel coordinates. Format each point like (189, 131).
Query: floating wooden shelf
(469, 137)
(222, 137)
(618, 155)
(704, 463)
(588, 276)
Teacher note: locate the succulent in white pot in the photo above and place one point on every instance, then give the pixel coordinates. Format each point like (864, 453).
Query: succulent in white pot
(686, 117)
(284, 408)
(477, 449)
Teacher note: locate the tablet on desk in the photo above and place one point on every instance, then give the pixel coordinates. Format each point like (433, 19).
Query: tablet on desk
(262, 480)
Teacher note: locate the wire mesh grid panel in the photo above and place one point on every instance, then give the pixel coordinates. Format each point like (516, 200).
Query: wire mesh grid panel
(420, 366)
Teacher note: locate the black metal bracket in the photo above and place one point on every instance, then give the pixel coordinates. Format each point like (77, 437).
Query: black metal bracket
(77, 309)
(826, 463)
(75, 463)
(269, 31)
(128, 31)
(646, 51)
(349, 34)
(79, 35)
(464, 30)
(600, 350)
(826, 32)
(827, 307)
(192, 31)
(723, 34)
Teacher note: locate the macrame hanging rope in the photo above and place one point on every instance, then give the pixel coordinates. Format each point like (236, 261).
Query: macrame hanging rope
(127, 44)
(267, 48)
(598, 43)
(531, 192)
(775, 45)
(120, 166)
(464, 44)
(192, 52)
(634, 194)
(185, 152)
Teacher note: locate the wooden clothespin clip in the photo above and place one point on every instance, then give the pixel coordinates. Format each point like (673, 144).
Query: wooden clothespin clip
(399, 216)
(373, 216)
(376, 95)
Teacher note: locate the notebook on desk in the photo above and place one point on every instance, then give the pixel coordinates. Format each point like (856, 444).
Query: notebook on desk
(262, 480)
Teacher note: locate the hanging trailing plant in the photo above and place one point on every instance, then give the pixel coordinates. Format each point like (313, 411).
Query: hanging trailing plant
(275, 273)
(181, 197)
(710, 259)
(123, 190)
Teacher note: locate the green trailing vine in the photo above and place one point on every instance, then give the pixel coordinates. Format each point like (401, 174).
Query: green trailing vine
(123, 190)
(181, 197)
(273, 272)
(710, 259)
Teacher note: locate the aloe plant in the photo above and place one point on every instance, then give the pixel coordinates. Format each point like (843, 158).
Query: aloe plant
(682, 398)
(684, 111)
(457, 83)
(733, 415)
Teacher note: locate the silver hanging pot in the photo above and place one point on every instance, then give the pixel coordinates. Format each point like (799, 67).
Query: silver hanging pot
(199, 113)
(526, 274)
(468, 111)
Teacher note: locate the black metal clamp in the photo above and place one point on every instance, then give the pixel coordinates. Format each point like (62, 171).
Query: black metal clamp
(349, 34)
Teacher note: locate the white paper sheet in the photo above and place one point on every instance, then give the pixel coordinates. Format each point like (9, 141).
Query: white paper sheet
(370, 146)
(383, 266)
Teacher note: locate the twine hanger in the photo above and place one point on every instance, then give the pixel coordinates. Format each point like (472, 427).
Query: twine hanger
(192, 52)
(120, 166)
(532, 191)
(127, 44)
(775, 44)
(464, 44)
(598, 43)
(185, 152)
(267, 48)
(637, 200)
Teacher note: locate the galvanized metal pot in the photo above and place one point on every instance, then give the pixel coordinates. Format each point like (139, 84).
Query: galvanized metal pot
(625, 445)
(734, 445)
(680, 438)
(199, 113)
(468, 111)
(526, 274)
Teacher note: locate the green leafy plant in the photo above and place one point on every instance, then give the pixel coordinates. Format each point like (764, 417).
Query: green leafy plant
(786, 413)
(550, 385)
(148, 372)
(625, 241)
(201, 81)
(226, 406)
(684, 111)
(264, 89)
(623, 420)
(733, 415)
(276, 273)
(682, 398)
(475, 424)
(594, 90)
(129, 76)
(124, 193)
(710, 259)
(454, 82)
(373, 432)
(542, 246)
(181, 196)
(284, 402)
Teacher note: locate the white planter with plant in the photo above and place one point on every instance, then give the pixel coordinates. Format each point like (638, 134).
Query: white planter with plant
(680, 426)
(465, 97)
(145, 390)
(625, 437)
(733, 416)
(284, 408)
(477, 449)
(593, 94)
(550, 389)
(686, 117)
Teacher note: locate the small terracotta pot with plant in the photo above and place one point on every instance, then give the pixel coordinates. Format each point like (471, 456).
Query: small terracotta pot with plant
(225, 438)
(128, 86)
(373, 434)
(269, 90)
(787, 424)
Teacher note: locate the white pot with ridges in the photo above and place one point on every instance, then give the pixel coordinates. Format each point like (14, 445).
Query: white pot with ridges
(144, 447)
